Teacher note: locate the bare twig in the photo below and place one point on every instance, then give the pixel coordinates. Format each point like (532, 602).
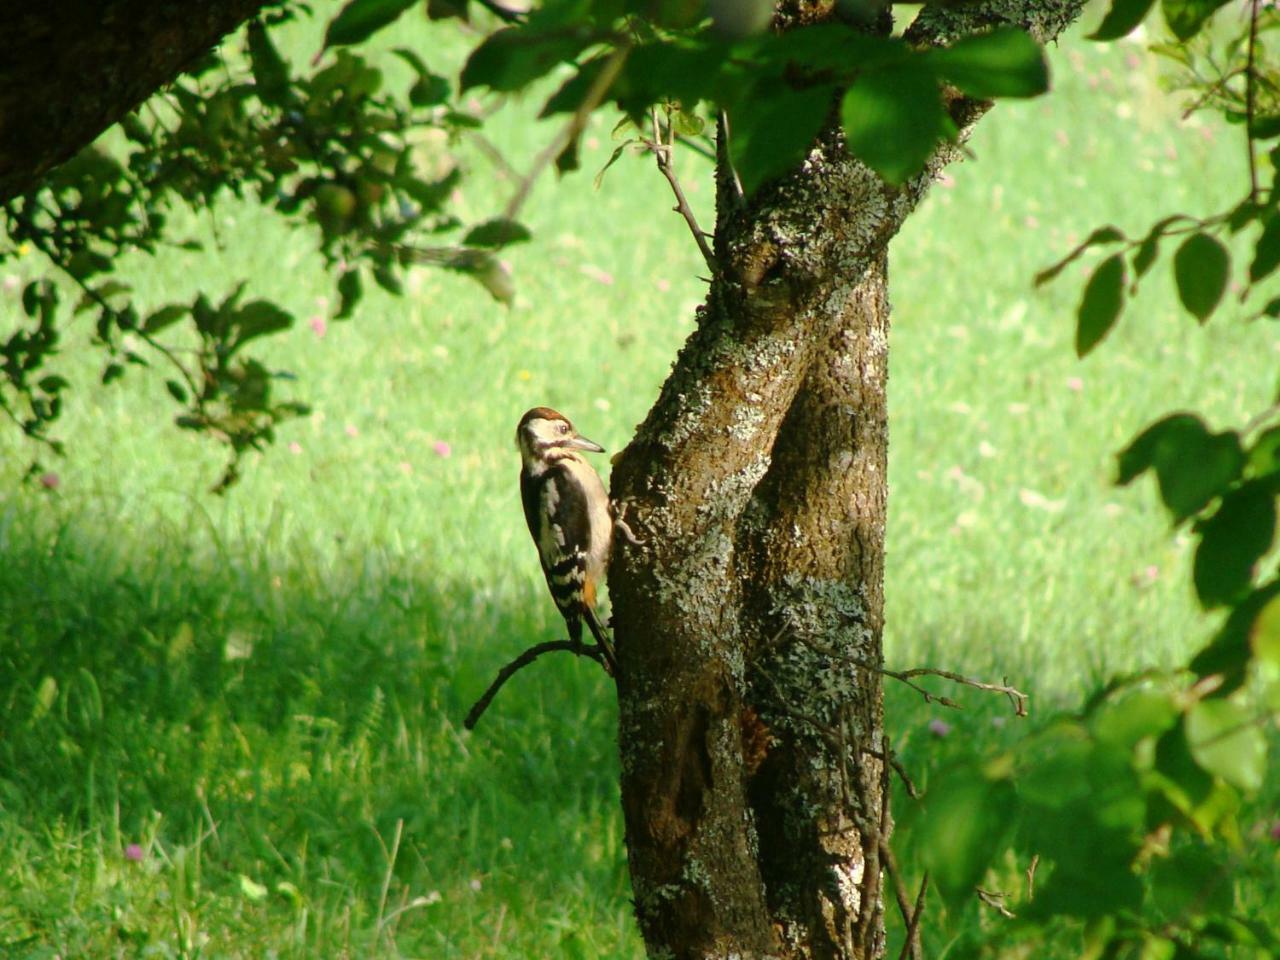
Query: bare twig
(494, 155)
(912, 791)
(994, 899)
(733, 183)
(913, 928)
(910, 915)
(663, 152)
(1016, 697)
(595, 96)
(1031, 875)
(522, 661)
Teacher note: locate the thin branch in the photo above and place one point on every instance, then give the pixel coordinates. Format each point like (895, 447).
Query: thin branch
(910, 916)
(1016, 697)
(912, 791)
(662, 152)
(1249, 101)
(1212, 91)
(995, 900)
(493, 155)
(102, 303)
(595, 96)
(519, 663)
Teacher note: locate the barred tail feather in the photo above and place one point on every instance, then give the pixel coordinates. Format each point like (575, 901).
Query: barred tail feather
(602, 638)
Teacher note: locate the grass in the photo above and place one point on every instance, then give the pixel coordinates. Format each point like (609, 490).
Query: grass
(263, 692)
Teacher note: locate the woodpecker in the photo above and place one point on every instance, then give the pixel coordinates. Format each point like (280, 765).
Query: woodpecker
(569, 517)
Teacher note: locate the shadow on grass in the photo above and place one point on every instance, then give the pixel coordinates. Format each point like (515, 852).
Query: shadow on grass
(299, 727)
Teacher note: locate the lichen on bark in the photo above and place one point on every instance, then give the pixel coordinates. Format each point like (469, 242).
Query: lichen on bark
(749, 625)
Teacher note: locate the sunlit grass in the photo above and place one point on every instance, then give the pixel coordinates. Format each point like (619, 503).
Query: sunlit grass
(264, 691)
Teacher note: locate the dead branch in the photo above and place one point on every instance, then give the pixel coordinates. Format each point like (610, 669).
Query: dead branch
(910, 915)
(995, 900)
(662, 153)
(519, 663)
(1016, 697)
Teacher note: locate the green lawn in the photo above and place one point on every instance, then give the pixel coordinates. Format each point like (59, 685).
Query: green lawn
(263, 692)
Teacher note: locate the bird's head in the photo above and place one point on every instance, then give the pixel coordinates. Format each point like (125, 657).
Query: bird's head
(544, 435)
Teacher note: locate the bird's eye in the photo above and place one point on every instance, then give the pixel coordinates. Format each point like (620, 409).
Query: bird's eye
(564, 427)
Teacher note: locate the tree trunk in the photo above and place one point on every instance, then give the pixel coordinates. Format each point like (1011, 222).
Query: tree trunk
(68, 70)
(749, 622)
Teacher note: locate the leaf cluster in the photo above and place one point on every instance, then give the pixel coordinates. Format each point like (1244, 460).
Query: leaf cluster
(331, 149)
(1126, 817)
(894, 100)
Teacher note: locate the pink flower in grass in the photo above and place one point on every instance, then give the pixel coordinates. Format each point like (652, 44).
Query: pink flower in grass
(939, 728)
(50, 480)
(442, 449)
(134, 852)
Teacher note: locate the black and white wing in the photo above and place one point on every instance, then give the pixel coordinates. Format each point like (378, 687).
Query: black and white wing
(559, 521)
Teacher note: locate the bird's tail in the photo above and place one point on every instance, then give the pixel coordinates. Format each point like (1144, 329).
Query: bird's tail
(602, 638)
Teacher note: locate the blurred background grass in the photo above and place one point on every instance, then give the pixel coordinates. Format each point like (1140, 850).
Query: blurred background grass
(232, 726)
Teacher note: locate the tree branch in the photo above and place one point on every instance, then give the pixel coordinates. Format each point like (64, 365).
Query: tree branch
(595, 96)
(519, 663)
(70, 70)
(662, 152)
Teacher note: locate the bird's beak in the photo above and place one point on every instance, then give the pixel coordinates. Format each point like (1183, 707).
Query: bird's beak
(582, 443)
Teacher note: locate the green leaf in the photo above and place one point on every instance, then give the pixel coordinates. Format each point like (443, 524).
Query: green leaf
(1194, 878)
(1232, 542)
(1192, 465)
(1123, 16)
(513, 58)
(1101, 235)
(1264, 455)
(386, 278)
(488, 271)
(1101, 303)
(429, 91)
(350, 290)
(1229, 654)
(360, 19)
(257, 318)
(1186, 17)
(965, 821)
(176, 390)
(1185, 782)
(1226, 740)
(893, 119)
(1003, 63)
(1266, 255)
(1264, 637)
(496, 233)
(1201, 268)
(1265, 127)
(166, 316)
(270, 73)
(772, 133)
(1132, 716)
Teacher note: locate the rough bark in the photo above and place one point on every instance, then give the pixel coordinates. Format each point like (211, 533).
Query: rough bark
(68, 70)
(749, 623)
